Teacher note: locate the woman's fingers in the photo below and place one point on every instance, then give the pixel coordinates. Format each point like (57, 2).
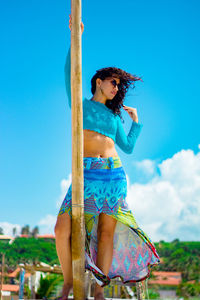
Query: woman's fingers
(82, 27)
(132, 112)
(127, 107)
(70, 23)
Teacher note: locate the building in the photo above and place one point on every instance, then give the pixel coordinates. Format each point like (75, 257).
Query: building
(6, 238)
(166, 279)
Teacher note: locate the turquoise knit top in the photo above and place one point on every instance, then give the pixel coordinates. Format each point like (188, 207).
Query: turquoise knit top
(99, 118)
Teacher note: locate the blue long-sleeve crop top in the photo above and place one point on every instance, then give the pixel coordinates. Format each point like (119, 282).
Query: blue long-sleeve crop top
(99, 118)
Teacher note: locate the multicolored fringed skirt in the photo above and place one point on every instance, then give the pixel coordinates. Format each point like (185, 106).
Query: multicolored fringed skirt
(105, 191)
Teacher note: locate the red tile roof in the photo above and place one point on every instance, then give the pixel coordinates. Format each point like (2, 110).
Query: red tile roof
(46, 236)
(24, 235)
(10, 288)
(166, 278)
(15, 273)
(166, 273)
(5, 237)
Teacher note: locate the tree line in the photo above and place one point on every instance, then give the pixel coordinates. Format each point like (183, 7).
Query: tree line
(180, 256)
(24, 230)
(176, 256)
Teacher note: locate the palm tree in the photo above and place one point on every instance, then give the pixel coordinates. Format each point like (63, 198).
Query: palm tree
(50, 286)
(14, 231)
(1, 230)
(35, 231)
(25, 230)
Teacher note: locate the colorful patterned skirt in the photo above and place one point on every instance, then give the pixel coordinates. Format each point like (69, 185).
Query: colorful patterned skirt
(105, 191)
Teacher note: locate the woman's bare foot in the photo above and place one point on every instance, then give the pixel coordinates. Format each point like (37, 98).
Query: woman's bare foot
(99, 296)
(62, 298)
(65, 291)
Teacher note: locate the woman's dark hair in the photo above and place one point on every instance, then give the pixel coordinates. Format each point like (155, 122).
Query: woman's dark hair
(126, 80)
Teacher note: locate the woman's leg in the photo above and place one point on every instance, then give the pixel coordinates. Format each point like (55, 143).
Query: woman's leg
(63, 247)
(105, 234)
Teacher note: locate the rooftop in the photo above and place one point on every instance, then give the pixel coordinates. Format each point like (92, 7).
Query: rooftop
(166, 278)
(10, 288)
(6, 237)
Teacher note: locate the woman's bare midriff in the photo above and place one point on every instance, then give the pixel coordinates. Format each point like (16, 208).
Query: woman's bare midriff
(98, 145)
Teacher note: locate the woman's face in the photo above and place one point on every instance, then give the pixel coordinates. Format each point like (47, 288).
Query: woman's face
(109, 87)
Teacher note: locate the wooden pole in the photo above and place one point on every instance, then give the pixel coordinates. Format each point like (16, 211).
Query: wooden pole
(140, 291)
(2, 272)
(78, 226)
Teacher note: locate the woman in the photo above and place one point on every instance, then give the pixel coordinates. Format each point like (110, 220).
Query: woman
(115, 245)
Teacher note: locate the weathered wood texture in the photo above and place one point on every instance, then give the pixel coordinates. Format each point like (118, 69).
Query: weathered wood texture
(78, 226)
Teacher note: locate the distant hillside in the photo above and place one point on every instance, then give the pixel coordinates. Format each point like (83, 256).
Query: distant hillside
(176, 256)
(180, 256)
(29, 250)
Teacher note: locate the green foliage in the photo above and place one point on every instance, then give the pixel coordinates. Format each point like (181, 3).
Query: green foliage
(177, 256)
(187, 290)
(27, 291)
(180, 256)
(153, 294)
(48, 285)
(29, 250)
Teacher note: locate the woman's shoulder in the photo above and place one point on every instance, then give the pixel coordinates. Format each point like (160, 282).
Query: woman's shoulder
(97, 105)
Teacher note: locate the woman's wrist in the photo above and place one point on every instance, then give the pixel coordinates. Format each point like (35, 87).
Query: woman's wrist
(135, 120)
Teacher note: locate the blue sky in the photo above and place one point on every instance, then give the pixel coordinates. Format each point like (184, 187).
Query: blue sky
(158, 40)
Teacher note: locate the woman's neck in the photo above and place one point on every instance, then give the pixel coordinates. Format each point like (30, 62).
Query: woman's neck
(99, 97)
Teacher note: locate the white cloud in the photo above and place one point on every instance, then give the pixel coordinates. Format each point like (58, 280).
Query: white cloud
(145, 170)
(65, 183)
(168, 205)
(8, 228)
(147, 166)
(47, 224)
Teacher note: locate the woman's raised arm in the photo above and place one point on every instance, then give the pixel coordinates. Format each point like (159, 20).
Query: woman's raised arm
(127, 142)
(68, 66)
